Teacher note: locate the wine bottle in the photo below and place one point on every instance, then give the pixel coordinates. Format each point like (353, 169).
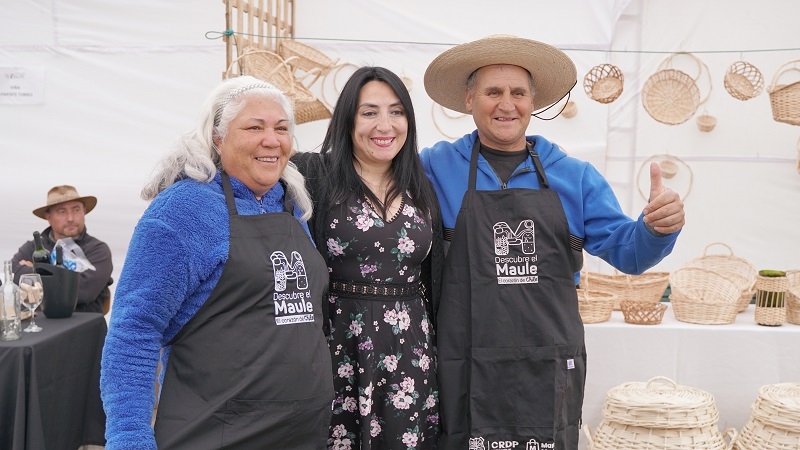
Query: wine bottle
(59, 256)
(10, 314)
(40, 255)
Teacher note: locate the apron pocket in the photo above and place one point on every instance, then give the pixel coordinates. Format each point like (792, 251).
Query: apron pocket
(291, 424)
(512, 388)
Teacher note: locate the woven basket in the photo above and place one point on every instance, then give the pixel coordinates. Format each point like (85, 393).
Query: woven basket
(785, 98)
(668, 168)
(738, 270)
(305, 57)
(658, 414)
(774, 422)
(706, 123)
(595, 306)
(648, 287)
(703, 296)
(793, 297)
(570, 110)
(670, 96)
(771, 300)
(642, 313)
(744, 81)
(603, 83)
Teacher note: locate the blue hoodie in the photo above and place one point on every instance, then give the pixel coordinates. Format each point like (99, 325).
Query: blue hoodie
(592, 209)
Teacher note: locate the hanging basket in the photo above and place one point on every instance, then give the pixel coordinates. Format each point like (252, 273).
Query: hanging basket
(603, 83)
(706, 123)
(670, 96)
(785, 98)
(670, 165)
(668, 168)
(570, 110)
(744, 81)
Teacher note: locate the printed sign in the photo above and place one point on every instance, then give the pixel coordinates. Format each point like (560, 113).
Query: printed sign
(21, 85)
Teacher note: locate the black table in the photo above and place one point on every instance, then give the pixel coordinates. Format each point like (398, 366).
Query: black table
(50, 395)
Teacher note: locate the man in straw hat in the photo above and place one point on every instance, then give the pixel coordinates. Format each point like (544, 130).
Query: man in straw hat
(518, 213)
(64, 210)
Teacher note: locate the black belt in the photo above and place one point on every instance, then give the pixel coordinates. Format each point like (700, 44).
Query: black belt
(389, 290)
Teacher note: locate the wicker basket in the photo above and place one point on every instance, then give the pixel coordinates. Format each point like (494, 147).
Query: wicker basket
(670, 96)
(668, 168)
(774, 422)
(785, 98)
(744, 81)
(738, 270)
(305, 57)
(706, 123)
(570, 110)
(771, 300)
(595, 306)
(793, 297)
(648, 287)
(642, 313)
(703, 296)
(603, 83)
(658, 414)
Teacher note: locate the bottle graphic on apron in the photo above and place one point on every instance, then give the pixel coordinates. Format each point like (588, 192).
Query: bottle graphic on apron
(285, 271)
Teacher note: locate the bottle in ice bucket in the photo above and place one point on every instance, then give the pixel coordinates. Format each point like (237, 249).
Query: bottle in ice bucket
(10, 314)
(40, 254)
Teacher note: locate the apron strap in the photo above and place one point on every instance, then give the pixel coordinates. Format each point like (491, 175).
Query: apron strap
(228, 190)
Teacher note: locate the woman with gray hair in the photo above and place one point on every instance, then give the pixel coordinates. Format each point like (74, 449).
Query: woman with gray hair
(223, 281)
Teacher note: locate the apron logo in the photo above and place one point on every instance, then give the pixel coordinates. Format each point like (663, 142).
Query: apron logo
(534, 445)
(519, 268)
(291, 307)
(476, 444)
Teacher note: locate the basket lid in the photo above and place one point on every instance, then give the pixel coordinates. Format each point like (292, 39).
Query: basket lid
(660, 403)
(778, 405)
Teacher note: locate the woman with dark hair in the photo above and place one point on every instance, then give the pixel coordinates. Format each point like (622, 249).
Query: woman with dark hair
(376, 221)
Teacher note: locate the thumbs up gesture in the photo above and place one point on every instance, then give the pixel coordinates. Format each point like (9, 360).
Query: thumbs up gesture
(664, 212)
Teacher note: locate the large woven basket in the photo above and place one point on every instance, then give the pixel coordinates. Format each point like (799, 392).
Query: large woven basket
(793, 297)
(306, 58)
(670, 96)
(595, 306)
(744, 81)
(603, 83)
(658, 414)
(739, 270)
(785, 98)
(647, 287)
(703, 296)
(774, 422)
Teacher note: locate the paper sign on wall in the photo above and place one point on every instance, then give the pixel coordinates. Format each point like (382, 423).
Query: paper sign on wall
(21, 85)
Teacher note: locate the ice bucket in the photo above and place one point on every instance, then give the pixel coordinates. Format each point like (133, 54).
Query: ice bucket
(60, 290)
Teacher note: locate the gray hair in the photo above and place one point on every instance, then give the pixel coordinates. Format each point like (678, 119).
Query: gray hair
(472, 79)
(195, 155)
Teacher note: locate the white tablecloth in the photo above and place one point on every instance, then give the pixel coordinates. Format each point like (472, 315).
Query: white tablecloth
(731, 362)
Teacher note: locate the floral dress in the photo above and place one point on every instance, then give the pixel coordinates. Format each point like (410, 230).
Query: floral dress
(381, 345)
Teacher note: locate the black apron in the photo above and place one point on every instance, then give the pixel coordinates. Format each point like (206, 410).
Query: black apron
(512, 360)
(252, 370)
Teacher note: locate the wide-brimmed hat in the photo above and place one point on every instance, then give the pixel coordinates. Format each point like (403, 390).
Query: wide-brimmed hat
(554, 73)
(61, 194)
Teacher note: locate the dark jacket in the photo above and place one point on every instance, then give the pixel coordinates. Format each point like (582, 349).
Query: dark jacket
(93, 286)
(312, 167)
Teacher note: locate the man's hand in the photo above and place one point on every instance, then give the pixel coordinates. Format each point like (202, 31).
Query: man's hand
(664, 212)
(23, 262)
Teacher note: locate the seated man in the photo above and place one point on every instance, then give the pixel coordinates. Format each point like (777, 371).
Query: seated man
(65, 211)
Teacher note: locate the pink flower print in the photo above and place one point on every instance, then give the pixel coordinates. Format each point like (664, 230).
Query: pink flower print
(390, 317)
(346, 370)
(410, 439)
(424, 362)
(408, 210)
(355, 328)
(405, 245)
(430, 402)
(364, 222)
(401, 400)
(368, 268)
(366, 345)
(335, 248)
(341, 444)
(424, 325)
(407, 385)
(339, 431)
(349, 404)
(364, 405)
(374, 428)
(389, 361)
(403, 320)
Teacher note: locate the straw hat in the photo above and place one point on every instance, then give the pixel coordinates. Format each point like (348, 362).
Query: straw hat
(554, 73)
(62, 194)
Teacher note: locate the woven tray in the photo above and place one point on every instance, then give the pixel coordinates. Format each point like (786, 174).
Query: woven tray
(660, 403)
(647, 287)
(703, 296)
(642, 313)
(774, 422)
(739, 270)
(595, 306)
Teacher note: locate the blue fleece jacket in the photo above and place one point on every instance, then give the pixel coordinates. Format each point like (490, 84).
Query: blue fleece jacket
(592, 209)
(174, 260)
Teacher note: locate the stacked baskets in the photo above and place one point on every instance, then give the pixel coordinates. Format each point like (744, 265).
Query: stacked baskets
(595, 306)
(738, 270)
(774, 422)
(703, 296)
(658, 414)
(648, 287)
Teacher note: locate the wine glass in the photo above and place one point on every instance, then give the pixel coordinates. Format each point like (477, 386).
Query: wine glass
(32, 292)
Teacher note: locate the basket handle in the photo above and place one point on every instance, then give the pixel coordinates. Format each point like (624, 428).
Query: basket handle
(730, 250)
(731, 433)
(588, 433)
(781, 71)
(666, 380)
(653, 158)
